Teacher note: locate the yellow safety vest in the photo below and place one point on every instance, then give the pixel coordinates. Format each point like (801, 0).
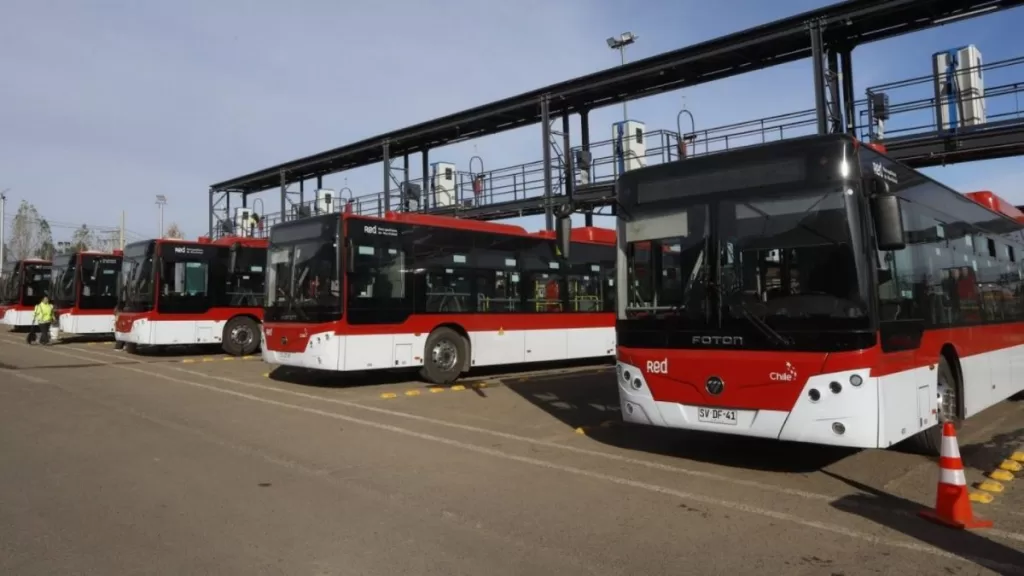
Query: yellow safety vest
(44, 313)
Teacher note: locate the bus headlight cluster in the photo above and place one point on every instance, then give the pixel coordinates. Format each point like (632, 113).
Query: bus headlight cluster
(627, 377)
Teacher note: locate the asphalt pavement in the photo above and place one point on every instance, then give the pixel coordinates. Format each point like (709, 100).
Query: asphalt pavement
(186, 462)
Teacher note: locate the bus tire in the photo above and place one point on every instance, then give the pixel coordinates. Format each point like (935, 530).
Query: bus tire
(241, 336)
(131, 347)
(118, 344)
(929, 442)
(444, 356)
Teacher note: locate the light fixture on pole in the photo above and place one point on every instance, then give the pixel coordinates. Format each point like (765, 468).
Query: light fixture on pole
(619, 43)
(161, 200)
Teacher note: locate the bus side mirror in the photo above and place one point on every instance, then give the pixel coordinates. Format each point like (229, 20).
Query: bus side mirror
(564, 235)
(888, 219)
(233, 263)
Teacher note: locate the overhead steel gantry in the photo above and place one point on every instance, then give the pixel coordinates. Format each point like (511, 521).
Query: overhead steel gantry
(826, 35)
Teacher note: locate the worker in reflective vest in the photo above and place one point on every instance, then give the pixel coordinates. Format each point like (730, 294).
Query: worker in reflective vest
(42, 318)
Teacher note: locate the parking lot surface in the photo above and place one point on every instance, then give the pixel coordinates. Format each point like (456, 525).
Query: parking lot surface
(185, 462)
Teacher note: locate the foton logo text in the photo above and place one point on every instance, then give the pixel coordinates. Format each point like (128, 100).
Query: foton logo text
(657, 367)
(718, 340)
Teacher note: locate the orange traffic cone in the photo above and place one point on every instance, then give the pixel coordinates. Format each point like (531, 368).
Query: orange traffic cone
(952, 502)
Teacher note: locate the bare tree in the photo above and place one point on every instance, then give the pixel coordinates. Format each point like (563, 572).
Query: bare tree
(23, 232)
(84, 239)
(29, 233)
(174, 231)
(46, 247)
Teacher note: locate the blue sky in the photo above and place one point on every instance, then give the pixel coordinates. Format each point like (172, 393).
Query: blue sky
(109, 103)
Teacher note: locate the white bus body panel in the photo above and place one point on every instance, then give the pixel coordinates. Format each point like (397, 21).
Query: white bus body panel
(16, 318)
(173, 332)
(329, 351)
(86, 323)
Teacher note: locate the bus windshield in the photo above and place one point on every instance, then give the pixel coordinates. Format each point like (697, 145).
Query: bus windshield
(303, 279)
(789, 257)
(99, 282)
(36, 282)
(136, 281)
(7, 293)
(62, 292)
(784, 261)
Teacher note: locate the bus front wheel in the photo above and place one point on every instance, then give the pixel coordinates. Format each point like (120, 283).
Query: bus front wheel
(443, 356)
(241, 336)
(947, 405)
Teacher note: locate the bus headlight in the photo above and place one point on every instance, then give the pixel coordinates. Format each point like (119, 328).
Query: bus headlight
(856, 380)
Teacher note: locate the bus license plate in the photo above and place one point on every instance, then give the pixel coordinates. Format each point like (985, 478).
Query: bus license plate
(716, 416)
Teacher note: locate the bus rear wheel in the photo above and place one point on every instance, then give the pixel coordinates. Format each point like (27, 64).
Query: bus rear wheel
(241, 336)
(947, 406)
(444, 356)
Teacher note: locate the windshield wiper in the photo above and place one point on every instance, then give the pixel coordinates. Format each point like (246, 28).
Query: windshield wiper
(758, 323)
(800, 223)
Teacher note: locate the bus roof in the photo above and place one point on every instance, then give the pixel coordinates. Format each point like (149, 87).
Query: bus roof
(996, 204)
(584, 234)
(588, 234)
(450, 222)
(98, 252)
(223, 241)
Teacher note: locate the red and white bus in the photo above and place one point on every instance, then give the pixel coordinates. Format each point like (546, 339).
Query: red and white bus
(25, 282)
(814, 290)
(178, 292)
(352, 293)
(84, 291)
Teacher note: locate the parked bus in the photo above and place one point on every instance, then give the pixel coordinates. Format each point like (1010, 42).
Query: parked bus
(813, 290)
(178, 292)
(84, 291)
(444, 295)
(25, 284)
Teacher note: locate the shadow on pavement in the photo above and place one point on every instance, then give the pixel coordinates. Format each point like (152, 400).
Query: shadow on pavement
(68, 366)
(901, 515)
(987, 454)
(86, 339)
(591, 401)
(329, 379)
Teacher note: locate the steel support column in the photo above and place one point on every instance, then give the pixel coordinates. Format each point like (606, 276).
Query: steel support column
(426, 192)
(849, 98)
(386, 149)
(835, 110)
(545, 129)
(211, 213)
(569, 178)
(402, 201)
(588, 214)
(814, 28)
(302, 193)
(284, 196)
